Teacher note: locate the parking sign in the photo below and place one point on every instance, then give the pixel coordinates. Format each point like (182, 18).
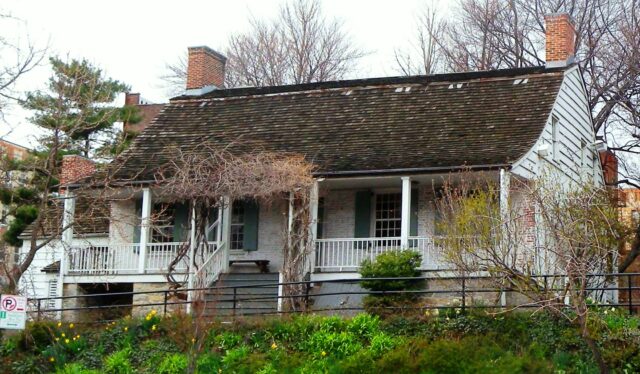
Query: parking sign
(13, 312)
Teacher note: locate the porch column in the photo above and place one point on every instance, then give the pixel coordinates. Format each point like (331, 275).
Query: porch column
(192, 257)
(219, 228)
(145, 225)
(406, 212)
(66, 237)
(313, 229)
(226, 229)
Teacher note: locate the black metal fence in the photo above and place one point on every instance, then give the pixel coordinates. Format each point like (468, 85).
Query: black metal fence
(620, 290)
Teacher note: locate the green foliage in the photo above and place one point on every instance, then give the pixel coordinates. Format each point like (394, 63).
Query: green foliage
(392, 264)
(208, 363)
(336, 344)
(76, 368)
(507, 343)
(174, 364)
(118, 362)
(78, 102)
(227, 340)
(23, 216)
(364, 325)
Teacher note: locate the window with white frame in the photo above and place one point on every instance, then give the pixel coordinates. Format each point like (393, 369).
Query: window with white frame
(237, 225)
(52, 292)
(388, 215)
(163, 216)
(583, 153)
(554, 137)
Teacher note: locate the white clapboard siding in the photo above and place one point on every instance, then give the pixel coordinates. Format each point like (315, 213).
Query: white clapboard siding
(575, 128)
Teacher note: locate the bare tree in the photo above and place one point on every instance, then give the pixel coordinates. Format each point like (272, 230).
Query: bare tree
(568, 232)
(63, 111)
(19, 57)
(210, 176)
(300, 45)
(494, 34)
(424, 55)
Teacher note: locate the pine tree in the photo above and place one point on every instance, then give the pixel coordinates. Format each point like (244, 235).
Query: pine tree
(78, 104)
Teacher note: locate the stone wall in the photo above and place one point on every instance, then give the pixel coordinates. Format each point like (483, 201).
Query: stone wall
(155, 298)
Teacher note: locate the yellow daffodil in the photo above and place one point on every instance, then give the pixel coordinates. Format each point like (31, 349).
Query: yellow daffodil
(74, 338)
(153, 328)
(71, 325)
(63, 335)
(153, 312)
(324, 353)
(66, 341)
(193, 340)
(57, 339)
(126, 329)
(59, 325)
(274, 346)
(51, 359)
(148, 318)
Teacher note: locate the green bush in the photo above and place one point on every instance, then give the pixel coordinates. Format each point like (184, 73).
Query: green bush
(208, 363)
(176, 363)
(393, 264)
(335, 344)
(364, 325)
(76, 368)
(118, 362)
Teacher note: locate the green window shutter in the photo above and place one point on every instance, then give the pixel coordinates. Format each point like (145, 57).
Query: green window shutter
(363, 214)
(136, 228)
(320, 222)
(413, 215)
(250, 242)
(180, 222)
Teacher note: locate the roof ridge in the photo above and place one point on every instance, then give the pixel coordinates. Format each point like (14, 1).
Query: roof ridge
(396, 80)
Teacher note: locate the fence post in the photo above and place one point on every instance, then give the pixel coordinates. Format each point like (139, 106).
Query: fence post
(235, 290)
(165, 303)
(629, 294)
(306, 296)
(464, 301)
(38, 315)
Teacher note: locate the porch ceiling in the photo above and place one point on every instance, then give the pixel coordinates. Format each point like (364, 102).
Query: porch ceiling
(396, 181)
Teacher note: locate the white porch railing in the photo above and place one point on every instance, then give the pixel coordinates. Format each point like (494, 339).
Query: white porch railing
(212, 267)
(111, 259)
(346, 254)
(124, 258)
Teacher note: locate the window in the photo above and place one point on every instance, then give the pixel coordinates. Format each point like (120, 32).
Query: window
(237, 225)
(163, 216)
(583, 153)
(52, 292)
(388, 215)
(554, 137)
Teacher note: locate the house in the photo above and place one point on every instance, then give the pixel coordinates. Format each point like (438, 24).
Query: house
(11, 179)
(382, 146)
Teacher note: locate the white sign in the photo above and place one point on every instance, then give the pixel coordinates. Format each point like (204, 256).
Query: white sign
(13, 312)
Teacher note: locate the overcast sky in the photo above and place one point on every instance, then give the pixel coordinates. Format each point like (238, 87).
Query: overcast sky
(133, 40)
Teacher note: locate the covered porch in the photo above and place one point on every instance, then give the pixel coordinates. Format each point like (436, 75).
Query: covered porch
(352, 219)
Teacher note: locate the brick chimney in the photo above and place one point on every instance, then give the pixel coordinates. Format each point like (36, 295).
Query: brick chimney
(131, 98)
(205, 70)
(560, 39)
(609, 163)
(75, 168)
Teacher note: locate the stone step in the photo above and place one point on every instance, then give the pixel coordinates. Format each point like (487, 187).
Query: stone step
(269, 277)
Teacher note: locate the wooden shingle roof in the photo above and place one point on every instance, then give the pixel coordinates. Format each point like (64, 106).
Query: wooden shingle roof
(360, 126)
